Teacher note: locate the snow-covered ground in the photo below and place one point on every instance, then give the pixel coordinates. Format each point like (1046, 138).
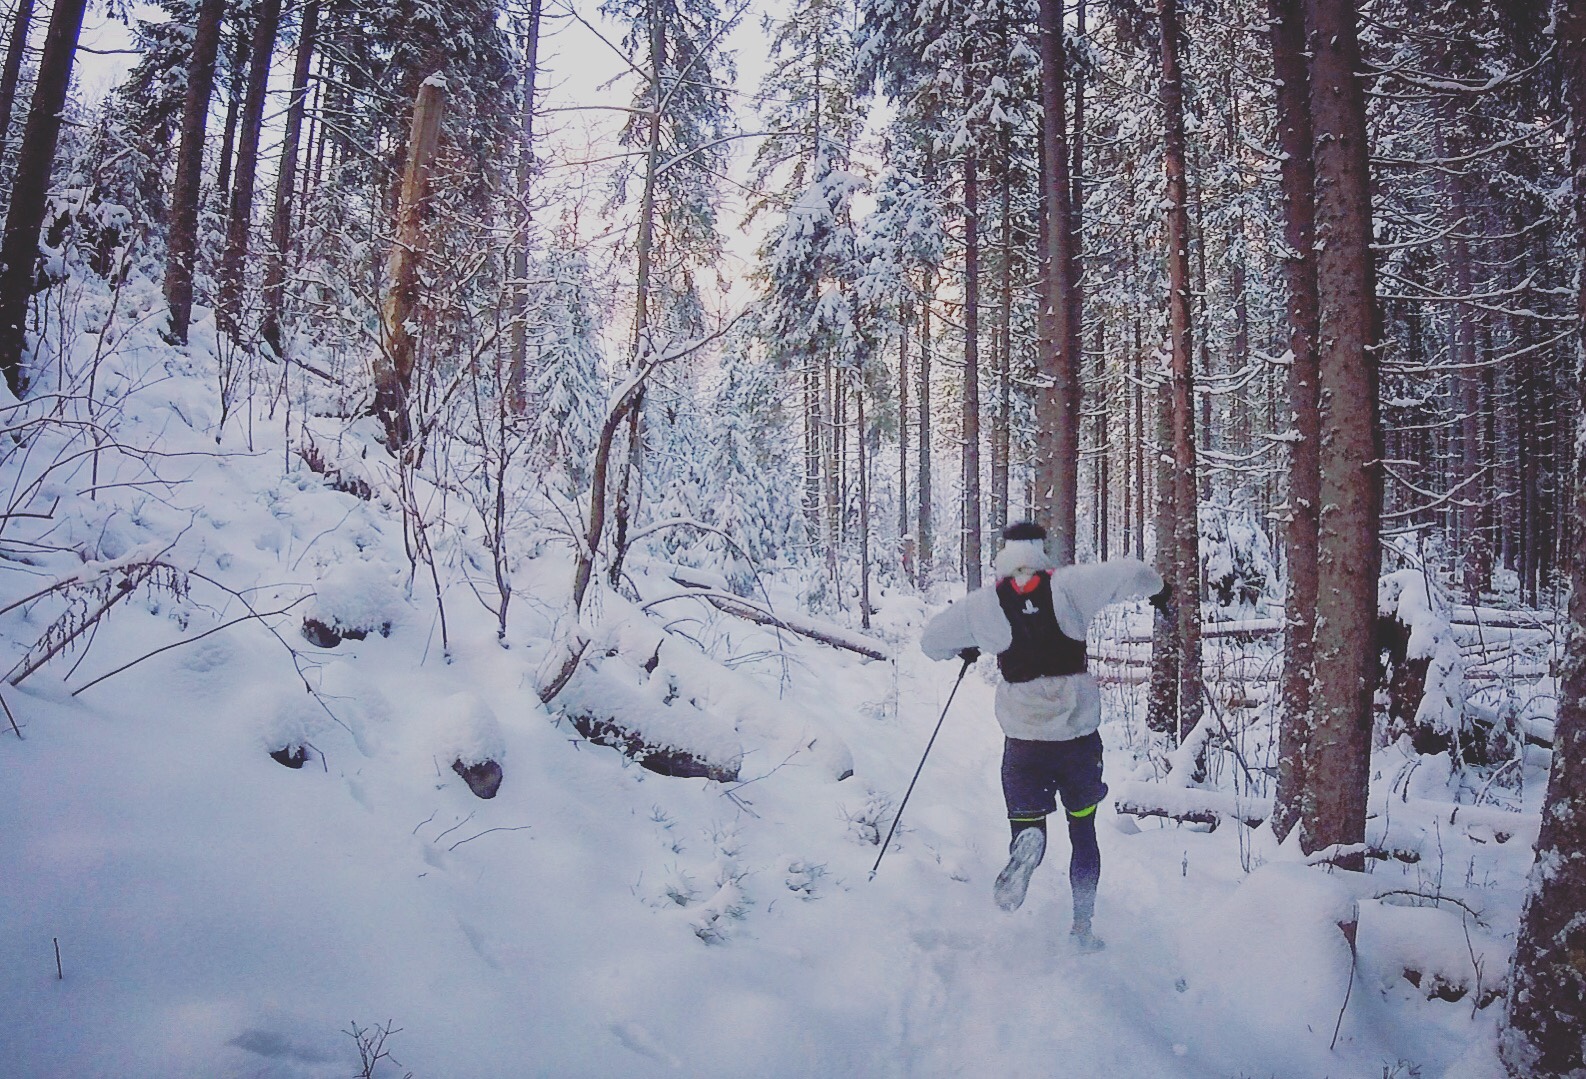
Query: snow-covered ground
(218, 914)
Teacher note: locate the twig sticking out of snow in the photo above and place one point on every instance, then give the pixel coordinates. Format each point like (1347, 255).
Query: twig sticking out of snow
(12, 718)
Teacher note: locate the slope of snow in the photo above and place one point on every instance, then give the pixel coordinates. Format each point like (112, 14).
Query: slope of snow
(220, 915)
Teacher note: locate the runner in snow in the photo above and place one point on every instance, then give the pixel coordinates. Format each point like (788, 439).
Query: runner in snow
(1035, 618)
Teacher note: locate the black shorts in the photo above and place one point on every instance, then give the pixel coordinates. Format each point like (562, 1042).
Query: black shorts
(1036, 774)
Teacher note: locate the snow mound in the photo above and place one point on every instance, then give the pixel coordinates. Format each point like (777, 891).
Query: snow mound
(358, 598)
(467, 730)
(289, 716)
(1276, 953)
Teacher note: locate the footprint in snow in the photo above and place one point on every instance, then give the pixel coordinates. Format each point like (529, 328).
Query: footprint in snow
(641, 1041)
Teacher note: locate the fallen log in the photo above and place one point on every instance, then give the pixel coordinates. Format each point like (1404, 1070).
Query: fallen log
(739, 607)
(1190, 805)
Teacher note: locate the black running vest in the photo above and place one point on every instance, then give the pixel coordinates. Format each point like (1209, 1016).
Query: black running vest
(1040, 649)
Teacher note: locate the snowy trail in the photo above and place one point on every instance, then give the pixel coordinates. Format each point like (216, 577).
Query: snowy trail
(987, 992)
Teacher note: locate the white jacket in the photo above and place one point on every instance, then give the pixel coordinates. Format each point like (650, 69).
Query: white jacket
(1049, 709)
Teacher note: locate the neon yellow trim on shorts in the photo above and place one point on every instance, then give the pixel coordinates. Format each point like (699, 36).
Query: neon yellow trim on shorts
(1080, 814)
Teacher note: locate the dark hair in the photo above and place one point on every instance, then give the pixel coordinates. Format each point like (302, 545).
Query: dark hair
(1024, 530)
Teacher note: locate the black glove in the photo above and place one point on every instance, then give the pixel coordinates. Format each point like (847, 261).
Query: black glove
(1163, 600)
(969, 655)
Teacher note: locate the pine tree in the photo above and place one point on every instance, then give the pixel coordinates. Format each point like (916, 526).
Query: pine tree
(1334, 807)
(182, 244)
(1541, 1033)
(564, 372)
(20, 244)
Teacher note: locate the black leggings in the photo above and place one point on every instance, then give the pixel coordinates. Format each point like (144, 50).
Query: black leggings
(1084, 862)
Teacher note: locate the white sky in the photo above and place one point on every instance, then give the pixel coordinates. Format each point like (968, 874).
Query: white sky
(579, 60)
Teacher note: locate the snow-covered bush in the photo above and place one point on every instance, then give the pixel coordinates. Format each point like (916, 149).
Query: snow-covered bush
(1425, 677)
(1237, 561)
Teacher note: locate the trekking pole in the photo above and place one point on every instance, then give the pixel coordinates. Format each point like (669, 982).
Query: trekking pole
(886, 842)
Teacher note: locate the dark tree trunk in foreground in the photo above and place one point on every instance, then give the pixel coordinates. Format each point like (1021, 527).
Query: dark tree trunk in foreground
(1057, 406)
(1348, 563)
(1185, 540)
(19, 249)
(1299, 271)
(239, 221)
(1546, 1013)
(11, 74)
(182, 245)
(285, 181)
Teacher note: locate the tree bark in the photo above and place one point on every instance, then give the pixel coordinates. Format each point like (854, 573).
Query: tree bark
(1540, 1037)
(903, 442)
(11, 74)
(971, 416)
(1297, 181)
(1057, 406)
(19, 249)
(1002, 414)
(239, 222)
(1350, 450)
(228, 138)
(1161, 711)
(928, 292)
(626, 504)
(286, 180)
(862, 445)
(395, 360)
(1186, 530)
(518, 373)
(182, 244)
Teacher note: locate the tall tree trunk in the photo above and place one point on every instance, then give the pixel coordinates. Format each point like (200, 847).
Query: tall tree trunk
(518, 373)
(1287, 21)
(1102, 448)
(239, 222)
(629, 481)
(19, 249)
(1540, 1037)
(1186, 538)
(11, 74)
(971, 416)
(228, 137)
(1162, 704)
(397, 356)
(1057, 406)
(286, 178)
(1348, 565)
(1002, 415)
(862, 446)
(926, 553)
(903, 441)
(182, 244)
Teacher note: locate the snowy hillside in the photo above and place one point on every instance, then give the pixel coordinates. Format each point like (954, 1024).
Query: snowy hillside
(218, 914)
